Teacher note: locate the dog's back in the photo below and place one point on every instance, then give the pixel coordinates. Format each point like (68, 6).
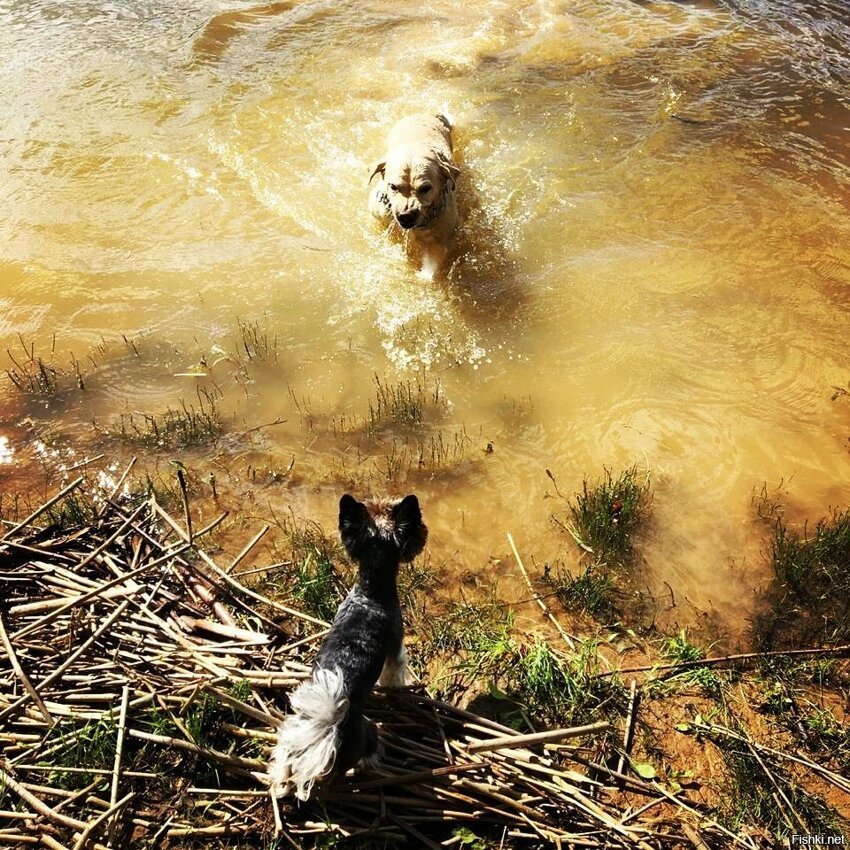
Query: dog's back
(363, 632)
(422, 130)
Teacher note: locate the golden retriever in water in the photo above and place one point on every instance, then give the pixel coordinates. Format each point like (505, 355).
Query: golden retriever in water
(416, 187)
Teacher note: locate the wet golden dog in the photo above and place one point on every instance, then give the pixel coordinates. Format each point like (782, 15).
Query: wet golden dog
(416, 187)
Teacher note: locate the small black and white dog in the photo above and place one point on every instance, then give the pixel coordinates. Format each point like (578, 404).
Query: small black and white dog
(327, 732)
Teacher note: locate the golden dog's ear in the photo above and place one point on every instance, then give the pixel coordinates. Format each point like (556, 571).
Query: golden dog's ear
(448, 169)
(378, 169)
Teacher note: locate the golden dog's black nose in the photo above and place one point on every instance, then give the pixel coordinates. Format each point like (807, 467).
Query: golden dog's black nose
(407, 219)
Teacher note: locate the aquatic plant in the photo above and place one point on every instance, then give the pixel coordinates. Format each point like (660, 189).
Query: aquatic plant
(186, 426)
(605, 519)
(255, 343)
(404, 402)
(34, 376)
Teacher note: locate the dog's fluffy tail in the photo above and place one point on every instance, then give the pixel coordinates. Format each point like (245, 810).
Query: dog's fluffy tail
(307, 740)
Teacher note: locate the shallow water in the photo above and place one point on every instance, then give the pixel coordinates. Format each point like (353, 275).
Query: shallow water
(655, 263)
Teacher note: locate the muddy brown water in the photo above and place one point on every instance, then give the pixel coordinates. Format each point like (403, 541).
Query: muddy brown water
(655, 264)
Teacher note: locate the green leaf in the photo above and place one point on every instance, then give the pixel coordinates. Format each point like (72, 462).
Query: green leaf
(644, 770)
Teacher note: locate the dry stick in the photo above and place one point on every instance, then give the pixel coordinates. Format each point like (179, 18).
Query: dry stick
(445, 741)
(224, 758)
(50, 842)
(214, 524)
(251, 544)
(543, 607)
(119, 746)
(156, 508)
(726, 659)
(804, 828)
(37, 805)
(422, 839)
(628, 734)
(49, 618)
(301, 642)
(93, 825)
(265, 569)
(235, 584)
(19, 672)
(278, 821)
(538, 737)
(694, 837)
(238, 705)
(85, 462)
(416, 776)
(465, 715)
(184, 496)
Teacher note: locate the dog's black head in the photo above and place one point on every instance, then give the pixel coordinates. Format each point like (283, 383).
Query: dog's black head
(382, 530)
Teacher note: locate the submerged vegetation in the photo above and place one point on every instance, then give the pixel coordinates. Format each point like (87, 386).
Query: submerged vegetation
(35, 377)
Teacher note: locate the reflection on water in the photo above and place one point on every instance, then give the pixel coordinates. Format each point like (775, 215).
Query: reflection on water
(654, 261)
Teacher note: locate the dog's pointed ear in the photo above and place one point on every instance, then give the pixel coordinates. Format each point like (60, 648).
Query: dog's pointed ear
(378, 168)
(410, 531)
(353, 524)
(448, 169)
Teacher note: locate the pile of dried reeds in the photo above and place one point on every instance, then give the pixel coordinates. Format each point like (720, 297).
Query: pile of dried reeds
(141, 684)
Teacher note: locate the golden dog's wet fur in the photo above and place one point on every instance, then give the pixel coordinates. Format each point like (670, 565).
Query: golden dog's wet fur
(415, 190)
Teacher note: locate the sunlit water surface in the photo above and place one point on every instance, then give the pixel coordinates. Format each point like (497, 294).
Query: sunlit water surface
(655, 263)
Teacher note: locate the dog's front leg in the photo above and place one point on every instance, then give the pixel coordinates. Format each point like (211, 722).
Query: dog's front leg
(394, 674)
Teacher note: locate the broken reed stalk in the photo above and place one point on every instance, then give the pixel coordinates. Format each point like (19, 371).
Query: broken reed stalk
(539, 737)
(19, 672)
(543, 607)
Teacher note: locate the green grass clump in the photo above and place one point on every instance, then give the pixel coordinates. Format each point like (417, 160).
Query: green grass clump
(315, 585)
(592, 591)
(90, 746)
(313, 569)
(531, 677)
(810, 603)
(477, 627)
(604, 521)
(605, 517)
(678, 649)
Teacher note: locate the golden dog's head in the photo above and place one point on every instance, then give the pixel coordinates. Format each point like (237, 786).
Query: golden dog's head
(417, 184)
